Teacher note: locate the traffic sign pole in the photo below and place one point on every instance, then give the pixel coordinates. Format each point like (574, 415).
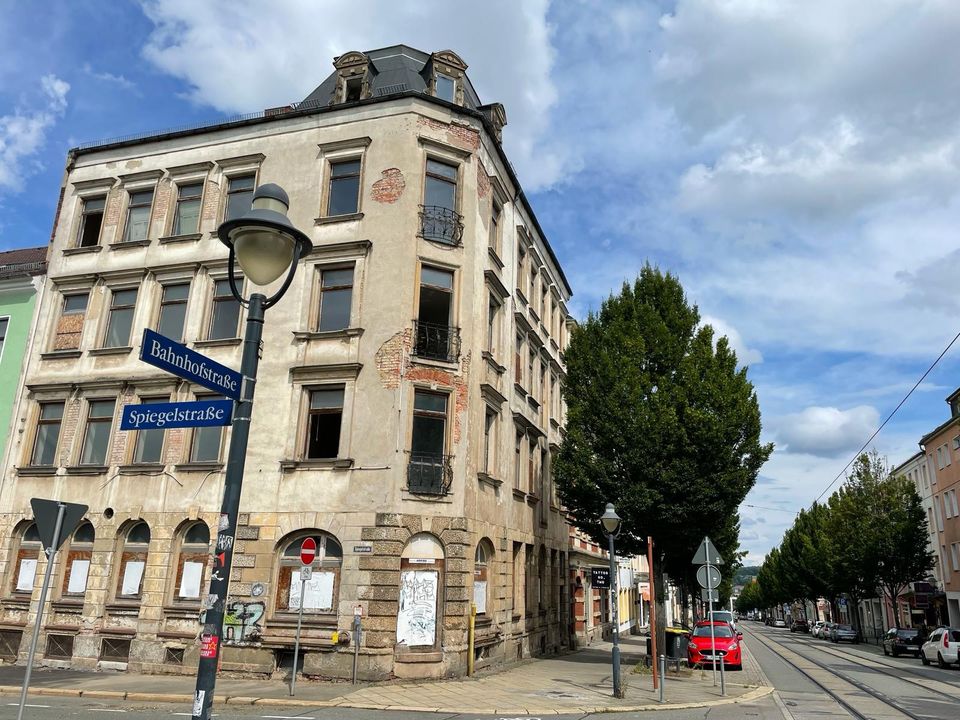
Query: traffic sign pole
(305, 572)
(713, 637)
(51, 553)
(229, 510)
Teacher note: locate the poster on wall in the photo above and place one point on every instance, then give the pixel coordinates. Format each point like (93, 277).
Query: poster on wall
(317, 591)
(78, 577)
(27, 574)
(190, 580)
(480, 595)
(417, 618)
(132, 577)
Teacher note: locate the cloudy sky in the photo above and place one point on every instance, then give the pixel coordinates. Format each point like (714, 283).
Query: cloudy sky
(795, 162)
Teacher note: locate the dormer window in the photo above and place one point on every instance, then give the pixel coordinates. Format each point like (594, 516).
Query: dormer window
(353, 89)
(446, 87)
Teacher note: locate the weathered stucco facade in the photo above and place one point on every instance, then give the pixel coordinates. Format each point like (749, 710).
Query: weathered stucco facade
(417, 452)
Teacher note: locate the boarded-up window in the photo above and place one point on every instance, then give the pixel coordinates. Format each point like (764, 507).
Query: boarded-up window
(25, 566)
(421, 580)
(481, 585)
(77, 568)
(194, 551)
(133, 562)
(319, 594)
(70, 324)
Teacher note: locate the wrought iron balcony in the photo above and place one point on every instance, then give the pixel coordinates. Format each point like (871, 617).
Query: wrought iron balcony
(429, 473)
(436, 342)
(441, 224)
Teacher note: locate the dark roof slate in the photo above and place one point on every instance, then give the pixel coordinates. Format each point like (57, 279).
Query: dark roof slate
(24, 261)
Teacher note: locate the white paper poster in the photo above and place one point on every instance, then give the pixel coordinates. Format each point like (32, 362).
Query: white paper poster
(317, 591)
(78, 576)
(480, 595)
(28, 572)
(190, 580)
(417, 618)
(132, 575)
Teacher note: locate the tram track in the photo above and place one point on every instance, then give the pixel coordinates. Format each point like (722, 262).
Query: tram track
(844, 702)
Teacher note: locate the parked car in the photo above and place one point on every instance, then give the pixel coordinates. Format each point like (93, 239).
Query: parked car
(779, 623)
(823, 632)
(943, 645)
(721, 641)
(815, 628)
(799, 626)
(841, 633)
(724, 616)
(904, 640)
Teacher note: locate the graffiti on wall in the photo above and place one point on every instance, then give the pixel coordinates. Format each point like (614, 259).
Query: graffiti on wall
(417, 618)
(241, 623)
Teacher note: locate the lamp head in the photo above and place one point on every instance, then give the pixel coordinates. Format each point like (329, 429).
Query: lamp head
(610, 520)
(265, 241)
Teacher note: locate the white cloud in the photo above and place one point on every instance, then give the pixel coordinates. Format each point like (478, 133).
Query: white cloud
(745, 355)
(108, 77)
(827, 431)
(242, 58)
(23, 132)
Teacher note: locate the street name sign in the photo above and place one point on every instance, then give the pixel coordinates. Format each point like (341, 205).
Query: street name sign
(707, 554)
(169, 355)
(198, 413)
(708, 576)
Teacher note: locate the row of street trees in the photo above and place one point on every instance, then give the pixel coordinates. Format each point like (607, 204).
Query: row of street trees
(870, 536)
(661, 422)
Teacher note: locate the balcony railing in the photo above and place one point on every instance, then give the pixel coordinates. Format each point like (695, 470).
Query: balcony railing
(440, 224)
(429, 474)
(436, 342)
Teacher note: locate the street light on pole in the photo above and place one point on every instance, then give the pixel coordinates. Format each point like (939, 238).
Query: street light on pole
(611, 527)
(265, 243)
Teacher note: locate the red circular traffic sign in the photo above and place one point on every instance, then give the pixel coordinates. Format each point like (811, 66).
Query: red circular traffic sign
(308, 551)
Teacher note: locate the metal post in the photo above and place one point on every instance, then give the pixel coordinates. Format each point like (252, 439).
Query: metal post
(471, 637)
(663, 673)
(229, 511)
(713, 637)
(356, 644)
(296, 645)
(50, 553)
(615, 616)
(723, 681)
(653, 614)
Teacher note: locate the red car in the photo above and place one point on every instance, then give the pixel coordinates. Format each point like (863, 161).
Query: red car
(701, 650)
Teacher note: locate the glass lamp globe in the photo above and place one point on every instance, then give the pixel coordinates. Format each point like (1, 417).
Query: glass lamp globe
(264, 253)
(610, 520)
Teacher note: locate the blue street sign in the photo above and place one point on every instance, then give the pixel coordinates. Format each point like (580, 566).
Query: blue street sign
(180, 360)
(201, 413)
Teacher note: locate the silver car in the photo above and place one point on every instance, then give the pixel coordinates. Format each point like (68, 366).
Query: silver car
(943, 645)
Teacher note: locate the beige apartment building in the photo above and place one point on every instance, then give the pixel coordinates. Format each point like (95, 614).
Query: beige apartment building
(942, 449)
(407, 406)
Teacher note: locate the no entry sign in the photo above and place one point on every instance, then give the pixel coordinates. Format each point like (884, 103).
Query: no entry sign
(308, 551)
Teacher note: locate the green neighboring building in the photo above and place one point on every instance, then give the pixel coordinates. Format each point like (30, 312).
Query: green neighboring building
(21, 277)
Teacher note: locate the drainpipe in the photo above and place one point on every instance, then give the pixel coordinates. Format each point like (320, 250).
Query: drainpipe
(471, 625)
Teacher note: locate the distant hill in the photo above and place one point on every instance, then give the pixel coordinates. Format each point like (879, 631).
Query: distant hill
(747, 572)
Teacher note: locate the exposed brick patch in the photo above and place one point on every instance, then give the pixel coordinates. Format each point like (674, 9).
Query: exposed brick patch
(460, 384)
(464, 137)
(483, 181)
(118, 450)
(389, 187)
(111, 215)
(211, 199)
(391, 356)
(161, 205)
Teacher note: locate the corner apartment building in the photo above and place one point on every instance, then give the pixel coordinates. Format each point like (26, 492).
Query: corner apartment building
(407, 406)
(942, 449)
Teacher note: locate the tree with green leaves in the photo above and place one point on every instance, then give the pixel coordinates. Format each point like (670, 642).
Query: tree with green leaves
(663, 423)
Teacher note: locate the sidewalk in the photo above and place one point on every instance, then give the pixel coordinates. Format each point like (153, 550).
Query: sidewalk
(578, 682)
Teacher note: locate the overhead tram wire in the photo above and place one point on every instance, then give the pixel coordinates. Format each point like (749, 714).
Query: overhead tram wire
(889, 417)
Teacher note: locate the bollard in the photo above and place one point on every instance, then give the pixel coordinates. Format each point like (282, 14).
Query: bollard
(723, 685)
(663, 674)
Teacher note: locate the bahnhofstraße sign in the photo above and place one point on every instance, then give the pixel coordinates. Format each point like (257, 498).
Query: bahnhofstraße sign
(169, 355)
(200, 413)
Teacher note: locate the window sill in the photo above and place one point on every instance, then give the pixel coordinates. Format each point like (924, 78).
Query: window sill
(326, 464)
(519, 494)
(489, 479)
(218, 342)
(287, 619)
(554, 345)
(16, 603)
(495, 257)
(554, 424)
(169, 239)
(142, 468)
(130, 244)
(533, 402)
(82, 250)
(199, 466)
(184, 612)
(37, 470)
(61, 355)
(536, 316)
(331, 219)
(124, 350)
(519, 389)
(492, 362)
(306, 335)
(86, 469)
(123, 607)
(449, 364)
(533, 499)
(406, 495)
(67, 605)
(521, 296)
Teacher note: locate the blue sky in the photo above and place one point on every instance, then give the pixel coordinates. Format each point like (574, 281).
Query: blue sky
(797, 164)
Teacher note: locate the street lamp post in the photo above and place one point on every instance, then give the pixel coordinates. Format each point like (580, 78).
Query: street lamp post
(611, 527)
(266, 244)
